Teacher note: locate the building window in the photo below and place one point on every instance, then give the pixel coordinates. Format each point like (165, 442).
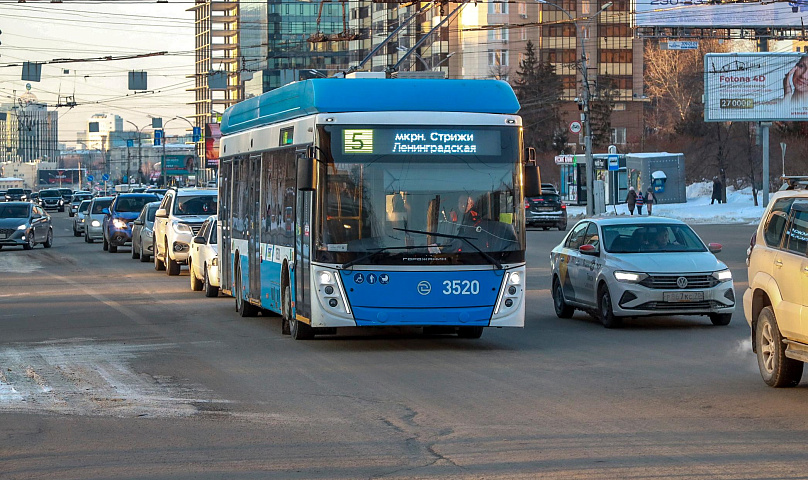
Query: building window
(497, 58)
(497, 7)
(523, 9)
(618, 136)
(524, 33)
(619, 107)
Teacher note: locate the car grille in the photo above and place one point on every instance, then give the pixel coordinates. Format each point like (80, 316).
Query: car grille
(195, 227)
(6, 232)
(668, 282)
(705, 305)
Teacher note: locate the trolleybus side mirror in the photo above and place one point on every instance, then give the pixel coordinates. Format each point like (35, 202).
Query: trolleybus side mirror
(532, 185)
(306, 164)
(530, 156)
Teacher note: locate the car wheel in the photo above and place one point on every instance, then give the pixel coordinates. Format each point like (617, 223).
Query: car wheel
(196, 283)
(172, 267)
(158, 265)
(49, 240)
(112, 248)
(720, 318)
(210, 290)
(776, 369)
(607, 317)
(135, 251)
(562, 309)
(29, 244)
(144, 257)
(87, 238)
(562, 227)
(76, 233)
(469, 332)
(70, 213)
(62, 209)
(106, 245)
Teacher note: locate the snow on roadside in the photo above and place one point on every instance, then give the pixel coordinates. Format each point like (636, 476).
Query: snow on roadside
(739, 209)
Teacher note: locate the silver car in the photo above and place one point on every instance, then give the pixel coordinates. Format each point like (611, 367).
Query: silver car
(80, 218)
(143, 233)
(617, 268)
(94, 220)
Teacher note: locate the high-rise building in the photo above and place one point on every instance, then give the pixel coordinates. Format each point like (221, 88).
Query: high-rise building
(28, 131)
(101, 128)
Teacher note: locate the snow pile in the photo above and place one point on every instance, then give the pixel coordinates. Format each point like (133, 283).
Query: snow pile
(740, 207)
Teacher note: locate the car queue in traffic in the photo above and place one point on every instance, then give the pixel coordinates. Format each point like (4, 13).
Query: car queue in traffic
(612, 268)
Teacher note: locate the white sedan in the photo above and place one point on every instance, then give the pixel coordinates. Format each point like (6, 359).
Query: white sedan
(203, 259)
(636, 267)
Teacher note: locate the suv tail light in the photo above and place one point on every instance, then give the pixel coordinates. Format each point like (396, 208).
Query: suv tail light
(563, 206)
(527, 203)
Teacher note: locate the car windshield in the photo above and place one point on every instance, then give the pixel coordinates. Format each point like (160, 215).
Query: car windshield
(411, 193)
(547, 197)
(632, 238)
(132, 204)
(100, 205)
(15, 191)
(85, 206)
(13, 211)
(195, 205)
(82, 196)
(49, 193)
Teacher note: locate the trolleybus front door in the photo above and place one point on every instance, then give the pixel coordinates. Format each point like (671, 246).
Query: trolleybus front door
(302, 254)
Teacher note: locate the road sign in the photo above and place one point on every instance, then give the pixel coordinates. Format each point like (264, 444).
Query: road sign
(90, 178)
(575, 127)
(614, 163)
(105, 177)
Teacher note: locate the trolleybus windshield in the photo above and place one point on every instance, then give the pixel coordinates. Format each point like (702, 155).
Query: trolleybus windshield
(402, 194)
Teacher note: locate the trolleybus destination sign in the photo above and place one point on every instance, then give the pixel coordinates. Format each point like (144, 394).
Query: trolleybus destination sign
(398, 141)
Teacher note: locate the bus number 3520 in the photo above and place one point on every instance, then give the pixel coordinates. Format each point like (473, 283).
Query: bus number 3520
(458, 287)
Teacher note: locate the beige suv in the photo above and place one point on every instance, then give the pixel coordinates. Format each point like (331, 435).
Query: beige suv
(776, 302)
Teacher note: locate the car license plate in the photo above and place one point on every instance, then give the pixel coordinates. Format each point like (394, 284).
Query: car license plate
(544, 209)
(683, 296)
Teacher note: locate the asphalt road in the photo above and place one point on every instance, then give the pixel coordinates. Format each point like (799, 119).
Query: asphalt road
(109, 369)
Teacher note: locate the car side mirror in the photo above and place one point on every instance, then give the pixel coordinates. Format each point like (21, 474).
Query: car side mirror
(588, 250)
(714, 247)
(137, 222)
(200, 239)
(161, 212)
(105, 211)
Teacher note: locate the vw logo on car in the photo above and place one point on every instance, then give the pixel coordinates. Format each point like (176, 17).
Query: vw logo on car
(681, 282)
(424, 287)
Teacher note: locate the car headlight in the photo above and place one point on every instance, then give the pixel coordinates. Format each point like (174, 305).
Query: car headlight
(723, 275)
(149, 233)
(96, 223)
(181, 228)
(118, 223)
(629, 277)
(61, 202)
(22, 227)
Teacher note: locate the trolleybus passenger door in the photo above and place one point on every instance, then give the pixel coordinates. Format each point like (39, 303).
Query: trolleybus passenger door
(253, 232)
(226, 221)
(302, 254)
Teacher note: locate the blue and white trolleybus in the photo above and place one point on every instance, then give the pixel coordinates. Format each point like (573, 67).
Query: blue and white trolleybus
(351, 202)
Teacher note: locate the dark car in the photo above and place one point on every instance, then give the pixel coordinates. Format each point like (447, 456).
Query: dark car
(24, 224)
(67, 195)
(78, 197)
(51, 199)
(546, 210)
(117, 221)
(2, 195)
(16, 195)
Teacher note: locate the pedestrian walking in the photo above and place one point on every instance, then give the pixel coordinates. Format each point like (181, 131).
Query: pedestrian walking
(650, 199)
(640, 200)
(716, 191)
(631, 199)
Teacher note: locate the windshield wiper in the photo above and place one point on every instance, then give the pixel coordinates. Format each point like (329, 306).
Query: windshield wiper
(468, 240)
(384, 249)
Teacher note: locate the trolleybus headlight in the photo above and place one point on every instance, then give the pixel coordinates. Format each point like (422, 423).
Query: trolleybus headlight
(329, 290)
(333, 302)
(325, 278)
(509, 303)
(515, 279)
(512, 290)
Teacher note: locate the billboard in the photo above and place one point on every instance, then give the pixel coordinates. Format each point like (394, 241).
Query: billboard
(703, 13)
(180, 164)
(62, 176)
(751, 87)
(212, 136)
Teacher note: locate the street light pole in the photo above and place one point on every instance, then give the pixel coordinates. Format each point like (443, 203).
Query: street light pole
(139, 153)
(586, 96)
